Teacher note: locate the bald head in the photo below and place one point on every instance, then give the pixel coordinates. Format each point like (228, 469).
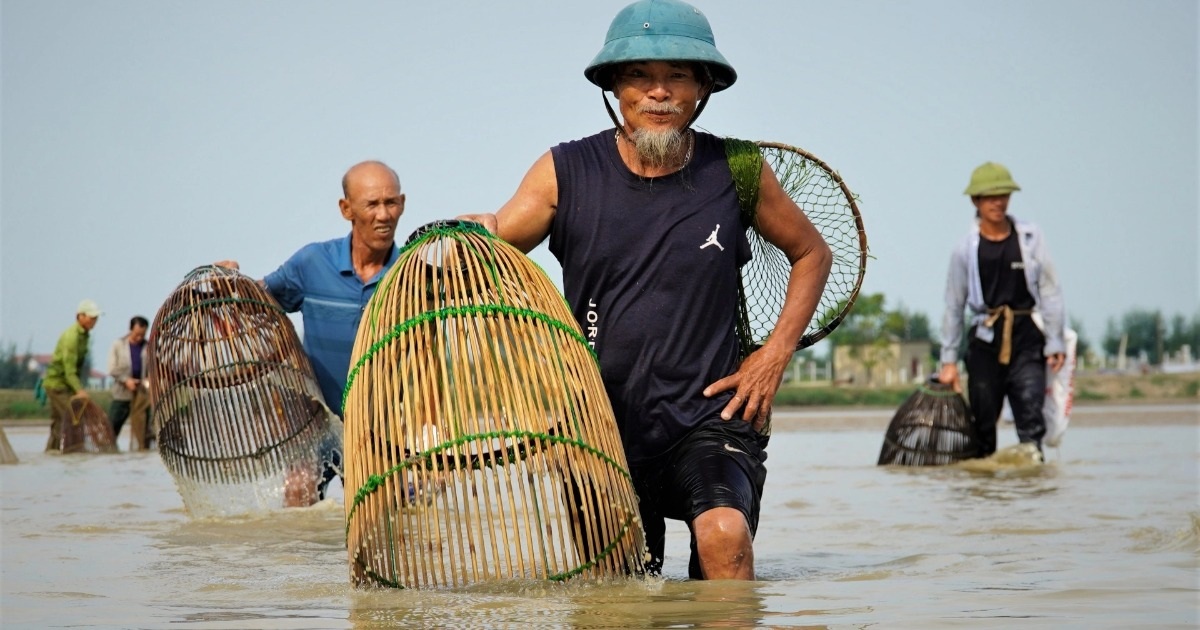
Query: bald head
(372, 204)
(367, 169)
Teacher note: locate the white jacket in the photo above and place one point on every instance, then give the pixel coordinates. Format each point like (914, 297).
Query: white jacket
(964, 291)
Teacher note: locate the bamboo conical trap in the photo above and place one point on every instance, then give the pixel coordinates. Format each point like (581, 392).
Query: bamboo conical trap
(480, 443)
(933, 427)
(241, 420)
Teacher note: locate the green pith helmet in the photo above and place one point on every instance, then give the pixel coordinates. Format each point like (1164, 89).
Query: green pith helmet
(991, 179)
(660, 30)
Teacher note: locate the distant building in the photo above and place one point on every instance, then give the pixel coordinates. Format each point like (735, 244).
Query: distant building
(883, 363)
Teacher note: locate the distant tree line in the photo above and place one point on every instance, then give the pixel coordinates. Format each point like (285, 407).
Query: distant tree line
(1148, 332)
(871, 324)
(14, 368)
(1145, 332)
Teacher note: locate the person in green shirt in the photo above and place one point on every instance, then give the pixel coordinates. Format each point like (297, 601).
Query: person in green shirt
(64, 376)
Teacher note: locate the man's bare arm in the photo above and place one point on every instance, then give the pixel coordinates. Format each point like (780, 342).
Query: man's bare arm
(785, 226)
(525, 220)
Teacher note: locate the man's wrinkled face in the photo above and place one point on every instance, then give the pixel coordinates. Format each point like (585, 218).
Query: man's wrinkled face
(137, 334)
(373, 205)
(657, 99)
(657, 93)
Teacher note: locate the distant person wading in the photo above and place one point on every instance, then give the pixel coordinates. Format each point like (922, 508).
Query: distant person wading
(1001, 278)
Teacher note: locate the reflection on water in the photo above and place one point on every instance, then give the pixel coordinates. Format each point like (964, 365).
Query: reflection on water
(1107, 534)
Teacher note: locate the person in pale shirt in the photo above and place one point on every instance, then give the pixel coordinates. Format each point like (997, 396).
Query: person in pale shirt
(1001, 274)
(127, 362)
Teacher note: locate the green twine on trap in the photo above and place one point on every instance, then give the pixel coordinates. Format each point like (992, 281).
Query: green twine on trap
(608, 549)
(459, 311)
(373, 482)
(557, 577)
(379, 579)
(940, 392)
(435, 231)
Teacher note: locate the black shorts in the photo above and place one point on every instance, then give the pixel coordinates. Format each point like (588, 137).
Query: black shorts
(718, 464)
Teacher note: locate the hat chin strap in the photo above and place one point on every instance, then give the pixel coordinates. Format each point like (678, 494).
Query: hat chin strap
(621, 128)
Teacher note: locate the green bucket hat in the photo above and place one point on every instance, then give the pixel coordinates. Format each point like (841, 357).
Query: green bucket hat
(991, 179)
(661, 30)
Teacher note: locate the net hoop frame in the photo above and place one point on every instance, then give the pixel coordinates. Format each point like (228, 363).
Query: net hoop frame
(769, 261)
(810, 338)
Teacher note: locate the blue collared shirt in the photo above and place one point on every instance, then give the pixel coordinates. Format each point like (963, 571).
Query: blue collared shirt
(320, 282)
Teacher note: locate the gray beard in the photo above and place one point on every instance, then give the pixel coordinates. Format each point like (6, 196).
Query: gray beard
(659, 148)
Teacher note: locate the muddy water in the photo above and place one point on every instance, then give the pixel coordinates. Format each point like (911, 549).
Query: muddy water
(1107, 534)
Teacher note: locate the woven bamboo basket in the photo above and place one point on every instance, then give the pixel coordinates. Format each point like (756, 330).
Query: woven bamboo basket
(932, 427)
(241, 422)
(84, 427)
(480, 443)
(7, 455)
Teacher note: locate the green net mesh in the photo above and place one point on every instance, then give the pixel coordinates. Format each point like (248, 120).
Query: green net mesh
(833, 210)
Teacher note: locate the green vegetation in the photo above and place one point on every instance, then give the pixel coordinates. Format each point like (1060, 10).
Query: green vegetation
(1151, 333)
(829, 396)
(19, 404)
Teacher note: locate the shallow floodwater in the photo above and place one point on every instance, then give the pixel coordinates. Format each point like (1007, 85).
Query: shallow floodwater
(1107, 534)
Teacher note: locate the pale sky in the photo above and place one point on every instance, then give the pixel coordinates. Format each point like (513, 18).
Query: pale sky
(140, 139)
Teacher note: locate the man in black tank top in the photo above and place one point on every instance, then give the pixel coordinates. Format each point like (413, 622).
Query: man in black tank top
(1003, 275)
(644, 219)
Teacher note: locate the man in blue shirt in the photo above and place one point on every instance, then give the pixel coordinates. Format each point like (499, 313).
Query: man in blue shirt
(330, 282)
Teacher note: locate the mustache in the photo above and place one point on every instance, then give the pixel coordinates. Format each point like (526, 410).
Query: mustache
(660, 108)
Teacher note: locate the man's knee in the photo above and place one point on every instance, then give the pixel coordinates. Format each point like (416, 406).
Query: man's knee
(724, 543)
(721, 525)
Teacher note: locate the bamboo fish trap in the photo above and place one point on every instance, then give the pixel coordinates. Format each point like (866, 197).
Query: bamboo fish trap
(83, 428)
(7, 455)
(242, 425)
(933, 427)
(480, 443)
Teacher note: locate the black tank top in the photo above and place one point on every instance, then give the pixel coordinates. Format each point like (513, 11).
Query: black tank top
(650, 269)
(1002, 276)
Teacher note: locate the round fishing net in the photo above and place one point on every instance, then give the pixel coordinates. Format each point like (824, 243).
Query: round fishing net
(83, 427)
(828, 203)
(480, 443)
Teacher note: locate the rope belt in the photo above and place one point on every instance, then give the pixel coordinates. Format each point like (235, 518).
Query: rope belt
(1009, 315)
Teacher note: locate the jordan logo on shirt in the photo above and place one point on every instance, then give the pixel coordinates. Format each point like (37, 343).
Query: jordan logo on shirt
(712, 239)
